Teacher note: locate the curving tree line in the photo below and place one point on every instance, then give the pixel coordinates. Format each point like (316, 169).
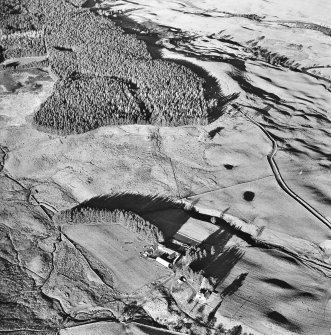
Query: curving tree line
(128, 219)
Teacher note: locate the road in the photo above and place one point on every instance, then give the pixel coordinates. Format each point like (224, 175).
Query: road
(278, 175)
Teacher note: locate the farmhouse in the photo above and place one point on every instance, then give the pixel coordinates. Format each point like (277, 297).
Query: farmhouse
(202, 295)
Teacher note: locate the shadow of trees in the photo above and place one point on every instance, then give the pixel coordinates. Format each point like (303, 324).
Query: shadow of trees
(214, 246)
(135, 202)
(222, 102)
(228, 291)
(218, 261)
(235, 285)
(240, 76)
(163, 212)
(220, 267)
(212, 133)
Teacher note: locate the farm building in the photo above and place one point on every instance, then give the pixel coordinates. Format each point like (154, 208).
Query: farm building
(164, 262)
(194, 231)
(184, 240)
(202, 295)
(166, 256)
(163, 249)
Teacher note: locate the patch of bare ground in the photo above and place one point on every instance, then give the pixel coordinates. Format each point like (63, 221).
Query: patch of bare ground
(23, 92)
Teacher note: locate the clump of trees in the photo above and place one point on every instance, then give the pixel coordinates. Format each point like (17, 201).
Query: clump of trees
(128, 219)
(192, 255)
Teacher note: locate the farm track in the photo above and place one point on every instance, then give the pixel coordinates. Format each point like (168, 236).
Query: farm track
(227, 187)
(3, 157)
(182, 308)
(30, 195)
(278, 176)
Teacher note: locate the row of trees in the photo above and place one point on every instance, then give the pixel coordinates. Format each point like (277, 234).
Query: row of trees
(273, 58)
(201, 252)
(128, 219)
(308, 25)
